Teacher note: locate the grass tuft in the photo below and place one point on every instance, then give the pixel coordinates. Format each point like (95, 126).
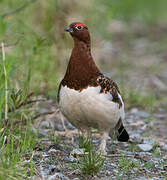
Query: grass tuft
(126, 164)
(16, 152)
(91, 161)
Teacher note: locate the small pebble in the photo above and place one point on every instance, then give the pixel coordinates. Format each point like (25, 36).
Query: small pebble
(155, 159)
(69, 159)
(143, 114)
(135, 138)
(164, 147)
(58, 176)
(45, 125)
(149, 141)
(155, 178)
(77, 151)
(113, 165)
(145, 153)
(159, 167)
(142, 178)
(134, 111)
(59, 127)
(145, 147)
(108, 173)
(115, 171)
(69, 125)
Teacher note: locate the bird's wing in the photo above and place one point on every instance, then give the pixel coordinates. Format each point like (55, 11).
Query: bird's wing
(109, 86)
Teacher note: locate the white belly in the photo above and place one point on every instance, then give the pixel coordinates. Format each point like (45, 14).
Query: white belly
(90, 108)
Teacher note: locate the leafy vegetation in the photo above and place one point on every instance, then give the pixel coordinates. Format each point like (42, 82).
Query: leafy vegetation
(91, 163)
(127, 164)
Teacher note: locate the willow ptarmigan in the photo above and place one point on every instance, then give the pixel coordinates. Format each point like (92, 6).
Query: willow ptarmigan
(86, 97)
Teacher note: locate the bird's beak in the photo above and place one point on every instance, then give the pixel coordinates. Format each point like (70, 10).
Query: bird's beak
(67, 29)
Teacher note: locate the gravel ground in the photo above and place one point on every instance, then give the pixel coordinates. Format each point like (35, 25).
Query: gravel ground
(143, 157)
(139, 64)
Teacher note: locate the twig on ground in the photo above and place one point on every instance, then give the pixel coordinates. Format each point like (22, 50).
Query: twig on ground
(30, 102)
(45, 113)
(73, 172)
(118, 155)
(37, 173)
(26, 101)
(108, 156)
(6, 81)
(23, 103)
(25, 5)
(11, 44)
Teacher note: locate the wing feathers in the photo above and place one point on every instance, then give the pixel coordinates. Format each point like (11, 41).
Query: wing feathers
(108, 85)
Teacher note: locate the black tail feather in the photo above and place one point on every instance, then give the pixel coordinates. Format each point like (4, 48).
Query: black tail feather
(123, 135)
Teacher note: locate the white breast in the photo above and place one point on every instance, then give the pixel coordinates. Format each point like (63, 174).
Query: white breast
(90, 108)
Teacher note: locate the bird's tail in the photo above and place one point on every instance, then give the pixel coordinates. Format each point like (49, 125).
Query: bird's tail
(120, 132)
(123, 135)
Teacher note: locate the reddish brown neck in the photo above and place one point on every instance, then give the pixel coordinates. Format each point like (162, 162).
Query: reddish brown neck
(82, 70)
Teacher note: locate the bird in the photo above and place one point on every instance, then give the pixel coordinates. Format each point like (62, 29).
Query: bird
(86, 97)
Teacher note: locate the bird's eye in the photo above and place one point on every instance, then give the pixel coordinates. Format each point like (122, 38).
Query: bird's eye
(79, 27)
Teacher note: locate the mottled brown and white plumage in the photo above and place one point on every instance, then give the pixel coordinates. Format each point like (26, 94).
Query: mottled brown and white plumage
(86, 97)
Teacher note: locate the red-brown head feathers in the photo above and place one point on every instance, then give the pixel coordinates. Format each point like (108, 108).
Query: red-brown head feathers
(82, 70)
(79, 32)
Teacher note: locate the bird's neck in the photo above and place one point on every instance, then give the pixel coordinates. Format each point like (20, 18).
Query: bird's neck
(81, 70)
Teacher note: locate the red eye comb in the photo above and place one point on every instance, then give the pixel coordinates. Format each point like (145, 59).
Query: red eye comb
(79, 25)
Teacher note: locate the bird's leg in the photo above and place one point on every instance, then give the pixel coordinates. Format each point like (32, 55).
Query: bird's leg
(86, 133)
(63, 122)
(67, 132)
(102, 148)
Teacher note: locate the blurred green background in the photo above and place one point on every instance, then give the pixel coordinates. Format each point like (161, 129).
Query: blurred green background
(124, 34)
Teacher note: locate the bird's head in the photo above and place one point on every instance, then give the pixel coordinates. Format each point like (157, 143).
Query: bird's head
(79, 32)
